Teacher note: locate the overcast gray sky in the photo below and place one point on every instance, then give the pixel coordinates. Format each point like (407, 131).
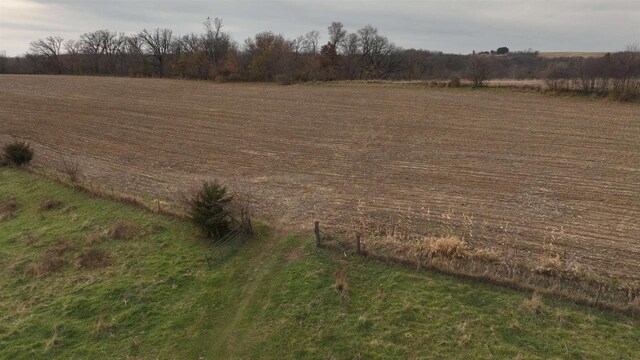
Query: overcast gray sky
(450, 26)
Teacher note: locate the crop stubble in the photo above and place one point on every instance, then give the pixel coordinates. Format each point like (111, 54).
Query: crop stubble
(526, 170)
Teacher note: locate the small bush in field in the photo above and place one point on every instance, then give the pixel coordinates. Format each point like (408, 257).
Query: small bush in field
(209, 209)
(18, 152)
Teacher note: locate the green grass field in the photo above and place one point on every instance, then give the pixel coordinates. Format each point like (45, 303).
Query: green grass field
(156, 298)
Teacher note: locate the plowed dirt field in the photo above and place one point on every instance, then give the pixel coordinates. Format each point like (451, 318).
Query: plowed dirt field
(535, 173)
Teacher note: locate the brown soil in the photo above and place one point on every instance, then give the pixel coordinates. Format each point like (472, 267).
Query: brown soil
(516, 170)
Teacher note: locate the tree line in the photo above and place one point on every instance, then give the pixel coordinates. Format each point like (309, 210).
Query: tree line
(364, 54)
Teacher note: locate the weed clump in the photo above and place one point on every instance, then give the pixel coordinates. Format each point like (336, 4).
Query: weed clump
(340, 284)
(534, 306)
(18, 152)
(93, 259)
(124, 230)
(549, 265)
(8, 208)
(51, 261)
(103, 327)
(50, 204)
(448, 247)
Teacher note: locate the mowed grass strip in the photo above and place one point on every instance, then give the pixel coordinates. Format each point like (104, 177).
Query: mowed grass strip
(152, 296)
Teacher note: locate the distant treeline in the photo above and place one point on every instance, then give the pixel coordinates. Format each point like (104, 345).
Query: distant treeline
(361, 55)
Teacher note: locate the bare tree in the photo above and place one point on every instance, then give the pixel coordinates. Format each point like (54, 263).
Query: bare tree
(191, 43)
(49, 49)
(310, 42)
(337, 34)
(3, 61)
(624, 71)
(351, 51)
(378, 56)
(158, 44)
(479, 68)
(93, 47)
(216, 43)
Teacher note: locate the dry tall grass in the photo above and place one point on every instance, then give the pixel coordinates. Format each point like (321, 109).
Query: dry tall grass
(550, 273)
(340, 284)
(51, 261)
(93, 259)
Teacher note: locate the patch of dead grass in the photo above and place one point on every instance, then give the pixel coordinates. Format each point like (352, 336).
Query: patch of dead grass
(549, 265)
(295, 255)
(104, 327)
(96, 237)
(124, 230)
(51, 261)
(8, 208)
(54, 340)
(340, 284)
(93, 259)
(534, 306)
(50, 204)
(448, 247)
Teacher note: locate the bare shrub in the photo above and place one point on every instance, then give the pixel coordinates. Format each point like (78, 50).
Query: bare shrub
(454, 81)
(124, 230)
(73, 171)
(220, 79)
(50, 204)
(283, 79)
(340, 283)
(559, 78)
(93, 259)
(479, 68)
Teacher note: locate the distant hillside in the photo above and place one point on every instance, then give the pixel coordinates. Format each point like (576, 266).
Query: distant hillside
(561, 54)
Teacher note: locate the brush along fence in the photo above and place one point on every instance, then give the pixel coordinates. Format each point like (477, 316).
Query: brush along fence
(452, 256)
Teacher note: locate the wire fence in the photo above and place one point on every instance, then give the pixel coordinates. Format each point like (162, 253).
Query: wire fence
(223, 248)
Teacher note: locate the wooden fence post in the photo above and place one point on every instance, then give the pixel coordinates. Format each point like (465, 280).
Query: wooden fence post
(316, 230)
(358, 243)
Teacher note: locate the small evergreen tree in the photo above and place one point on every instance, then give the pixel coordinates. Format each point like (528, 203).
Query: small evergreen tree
(18, 152)
(209, 209)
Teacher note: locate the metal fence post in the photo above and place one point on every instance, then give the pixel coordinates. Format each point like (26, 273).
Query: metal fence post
(316, 230)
